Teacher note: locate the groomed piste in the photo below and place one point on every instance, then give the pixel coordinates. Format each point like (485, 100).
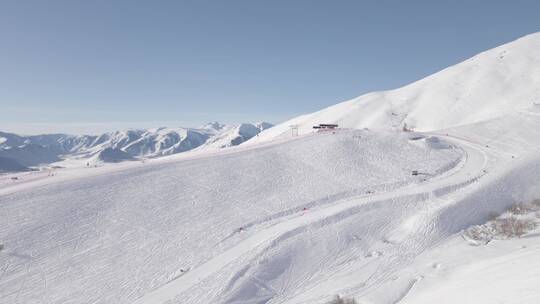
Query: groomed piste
(376, 209)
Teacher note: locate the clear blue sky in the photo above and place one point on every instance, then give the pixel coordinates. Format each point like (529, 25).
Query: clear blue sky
(88, 66)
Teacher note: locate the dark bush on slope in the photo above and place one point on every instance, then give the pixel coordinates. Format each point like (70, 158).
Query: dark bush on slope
(340, 300)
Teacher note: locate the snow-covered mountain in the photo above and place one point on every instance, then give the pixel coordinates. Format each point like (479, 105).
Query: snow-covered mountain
(382, 216)
(111, 155)
(28, 151)
(10, 165)
(489, 85)
(234, 135)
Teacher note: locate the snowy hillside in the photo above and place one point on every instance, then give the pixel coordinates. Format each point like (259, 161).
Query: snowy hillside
(30, 154)
(383, 215)
(166, 209)
(10, 165)
(234, 135)
(489, 85)
(111, 155)
(121, 145)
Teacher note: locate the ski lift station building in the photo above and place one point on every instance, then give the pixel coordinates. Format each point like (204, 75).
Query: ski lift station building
(325, 127)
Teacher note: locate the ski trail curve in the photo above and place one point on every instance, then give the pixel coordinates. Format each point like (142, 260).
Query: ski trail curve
(475, 162)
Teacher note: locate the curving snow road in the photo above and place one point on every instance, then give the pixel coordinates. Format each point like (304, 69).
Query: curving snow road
(114, 234)
(472, 168)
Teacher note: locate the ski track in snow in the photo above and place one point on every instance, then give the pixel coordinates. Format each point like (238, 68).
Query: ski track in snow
(120, 236)
(261, 241)
(115, 236)
(297, 221)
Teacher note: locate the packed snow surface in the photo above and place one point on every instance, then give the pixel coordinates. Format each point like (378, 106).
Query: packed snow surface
(503, 272)
(377, 214)
(113, 237)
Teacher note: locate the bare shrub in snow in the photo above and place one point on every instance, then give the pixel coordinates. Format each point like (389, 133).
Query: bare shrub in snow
(513, 226)
(516, 222)
(521, 208)
(340, 300)
(482, 233)
(535, 204)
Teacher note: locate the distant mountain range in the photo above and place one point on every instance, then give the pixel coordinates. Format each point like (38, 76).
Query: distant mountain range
(18, 153)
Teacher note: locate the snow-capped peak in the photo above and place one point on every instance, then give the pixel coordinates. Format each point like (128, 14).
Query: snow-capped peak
(489, 85)
(122, 145)
(233, 136)
(214, 125)
(263, 125)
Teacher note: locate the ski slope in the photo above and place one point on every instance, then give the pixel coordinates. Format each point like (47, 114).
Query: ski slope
(271, 238)
(297, 220)
(510, 268)
(164, 238)
(117, 236)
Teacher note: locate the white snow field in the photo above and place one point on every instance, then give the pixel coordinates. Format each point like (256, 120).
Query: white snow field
(113, 237)
(488, 85)
(298, 220)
